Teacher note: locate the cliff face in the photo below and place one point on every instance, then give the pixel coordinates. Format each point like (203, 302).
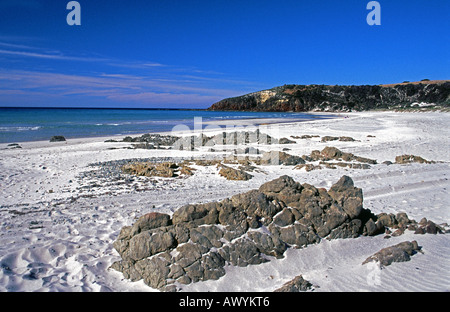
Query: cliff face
(302, 98)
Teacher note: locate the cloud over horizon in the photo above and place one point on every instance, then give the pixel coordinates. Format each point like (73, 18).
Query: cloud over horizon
(126, 83)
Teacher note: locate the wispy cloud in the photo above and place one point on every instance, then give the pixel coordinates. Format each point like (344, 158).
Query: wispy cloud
(28, 51)
(136, 65)
(16, 46)
(50, 56)
(122, 81)
(111, 87)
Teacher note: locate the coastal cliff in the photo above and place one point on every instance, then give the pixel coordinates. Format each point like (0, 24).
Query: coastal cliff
(303, 98)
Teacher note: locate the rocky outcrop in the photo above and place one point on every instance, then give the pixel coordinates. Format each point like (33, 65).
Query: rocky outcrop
(301, 98)
(333, 138)
(398, 253)
(330, 153)
(193, 142)
(164, 169)
(199, 240)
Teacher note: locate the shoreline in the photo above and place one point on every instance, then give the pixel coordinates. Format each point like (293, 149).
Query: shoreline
(221, 124)
(251, 122)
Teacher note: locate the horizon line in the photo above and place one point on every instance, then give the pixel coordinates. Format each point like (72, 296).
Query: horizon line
(121, 108)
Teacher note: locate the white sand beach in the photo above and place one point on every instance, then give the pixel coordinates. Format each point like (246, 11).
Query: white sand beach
(59, 217)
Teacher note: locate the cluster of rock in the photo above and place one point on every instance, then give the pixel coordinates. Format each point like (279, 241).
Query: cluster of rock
(332, 154)
(150, 169)
(149, 141)
(245, 137)
(333, 138)
(305, 136)
(199, 240)
(193, 142)
(328, 157)
(152, 141)
(398, 253)
(396, 225)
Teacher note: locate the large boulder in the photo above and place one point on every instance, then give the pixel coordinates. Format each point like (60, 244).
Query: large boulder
(57, 138)
(347, 196)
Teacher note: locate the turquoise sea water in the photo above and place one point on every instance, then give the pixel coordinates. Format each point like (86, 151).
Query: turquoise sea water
(35, 124)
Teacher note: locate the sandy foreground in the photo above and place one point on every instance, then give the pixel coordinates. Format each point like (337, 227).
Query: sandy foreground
(59, 218)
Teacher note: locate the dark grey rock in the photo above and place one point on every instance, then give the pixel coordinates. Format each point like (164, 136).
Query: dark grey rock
(190, 213)
(348, 196)
(347, 230)
(150, 221)
(57, 138)
(370, 228)
(428, 226)
(298, 284)
(402, 218)
(346, 139)
(207, 236)
(242, 253)
(146, 244)
(397, 253)
(285, 217)
(280, 158)
(268, 244)
(386, 220)
(328, 138)
(286, 141)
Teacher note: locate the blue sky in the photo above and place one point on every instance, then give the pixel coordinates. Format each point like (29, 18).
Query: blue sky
(190, 54)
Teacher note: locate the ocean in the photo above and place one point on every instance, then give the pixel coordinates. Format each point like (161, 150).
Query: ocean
(37, 124)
